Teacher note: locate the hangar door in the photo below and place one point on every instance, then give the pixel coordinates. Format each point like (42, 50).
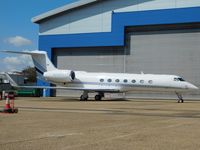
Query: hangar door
(161, 52)
(165, 52)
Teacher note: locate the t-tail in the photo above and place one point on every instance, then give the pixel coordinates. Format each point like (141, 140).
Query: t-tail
(45, 69)
(40, 59)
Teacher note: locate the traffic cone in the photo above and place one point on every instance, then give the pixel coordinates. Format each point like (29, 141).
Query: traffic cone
(7, 107)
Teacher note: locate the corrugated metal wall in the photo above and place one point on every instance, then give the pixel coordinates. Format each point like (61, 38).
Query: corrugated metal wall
(93, 59)
(98, 17)
(165, 52)
(99, 59)
(162, 52)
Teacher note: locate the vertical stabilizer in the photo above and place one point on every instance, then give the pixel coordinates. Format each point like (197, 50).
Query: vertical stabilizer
(40, 59)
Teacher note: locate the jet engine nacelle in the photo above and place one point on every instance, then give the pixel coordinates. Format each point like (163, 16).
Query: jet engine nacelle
(60, 76)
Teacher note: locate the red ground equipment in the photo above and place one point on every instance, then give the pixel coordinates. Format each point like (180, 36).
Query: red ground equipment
(9, 106)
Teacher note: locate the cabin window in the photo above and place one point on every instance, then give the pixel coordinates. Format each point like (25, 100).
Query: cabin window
(101, 80)
(117, 80)
(142, 81)
(133, 81)
(109, 80)
(125, 80)
(150, 81)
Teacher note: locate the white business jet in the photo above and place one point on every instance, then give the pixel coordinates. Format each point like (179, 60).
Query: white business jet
(102, 82)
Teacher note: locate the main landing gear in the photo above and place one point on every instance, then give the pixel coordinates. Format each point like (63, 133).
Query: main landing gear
(180, 98)
(84, 96)
(99, 96)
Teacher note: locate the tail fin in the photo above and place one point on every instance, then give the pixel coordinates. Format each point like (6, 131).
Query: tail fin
(40, 59)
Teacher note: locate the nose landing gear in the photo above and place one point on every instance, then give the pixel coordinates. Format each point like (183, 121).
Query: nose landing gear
(180, 98)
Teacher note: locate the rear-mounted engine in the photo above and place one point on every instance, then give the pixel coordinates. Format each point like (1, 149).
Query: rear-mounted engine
(60, 76)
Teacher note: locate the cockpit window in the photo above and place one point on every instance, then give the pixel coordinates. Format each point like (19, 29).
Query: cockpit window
(179, 79)
(175, 79)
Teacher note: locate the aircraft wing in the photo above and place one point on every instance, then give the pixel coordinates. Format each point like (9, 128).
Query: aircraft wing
(67, 88)
(15, 85)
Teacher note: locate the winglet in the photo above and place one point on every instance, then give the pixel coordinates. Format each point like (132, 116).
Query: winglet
(12, 82)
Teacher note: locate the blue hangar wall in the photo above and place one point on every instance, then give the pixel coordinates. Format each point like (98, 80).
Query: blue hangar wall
(117, 36)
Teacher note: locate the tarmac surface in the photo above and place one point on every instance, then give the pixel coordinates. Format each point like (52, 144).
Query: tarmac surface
(64, 124)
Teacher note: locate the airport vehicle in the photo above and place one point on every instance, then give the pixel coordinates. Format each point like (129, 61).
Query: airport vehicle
(101, 83)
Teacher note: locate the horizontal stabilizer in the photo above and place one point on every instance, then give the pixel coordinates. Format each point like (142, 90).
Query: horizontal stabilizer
(40, 59)
(25, 52)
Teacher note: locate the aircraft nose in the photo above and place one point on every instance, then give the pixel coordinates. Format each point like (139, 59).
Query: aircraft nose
(191, 86)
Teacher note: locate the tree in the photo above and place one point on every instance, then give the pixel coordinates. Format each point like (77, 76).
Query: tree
(29, 74)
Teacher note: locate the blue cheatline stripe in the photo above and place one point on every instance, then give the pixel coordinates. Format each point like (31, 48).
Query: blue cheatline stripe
(119, 22)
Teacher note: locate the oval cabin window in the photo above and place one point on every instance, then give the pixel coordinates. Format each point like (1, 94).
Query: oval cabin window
(150, 81)
(133, 81)
(117, 80)
(101, 80)
(142, 81)
(125, 80)
(109, 80)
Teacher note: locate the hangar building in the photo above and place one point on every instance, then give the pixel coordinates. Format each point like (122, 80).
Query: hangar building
(152, 36)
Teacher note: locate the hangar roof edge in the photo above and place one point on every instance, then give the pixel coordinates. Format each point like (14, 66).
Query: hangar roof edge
(61, 9)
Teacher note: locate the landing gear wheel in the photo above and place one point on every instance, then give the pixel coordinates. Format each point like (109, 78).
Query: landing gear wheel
(181, 101)
(97, 97)
(15, 110)
(180, 98)
(83, 98)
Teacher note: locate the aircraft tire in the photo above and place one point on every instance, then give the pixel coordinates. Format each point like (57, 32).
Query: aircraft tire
(82, 98)
(97, 97)
(181, 101)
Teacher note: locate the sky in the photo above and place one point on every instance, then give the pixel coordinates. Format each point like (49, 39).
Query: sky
(18, 33)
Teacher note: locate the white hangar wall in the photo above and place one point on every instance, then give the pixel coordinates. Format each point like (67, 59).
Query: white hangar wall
(97, 17)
